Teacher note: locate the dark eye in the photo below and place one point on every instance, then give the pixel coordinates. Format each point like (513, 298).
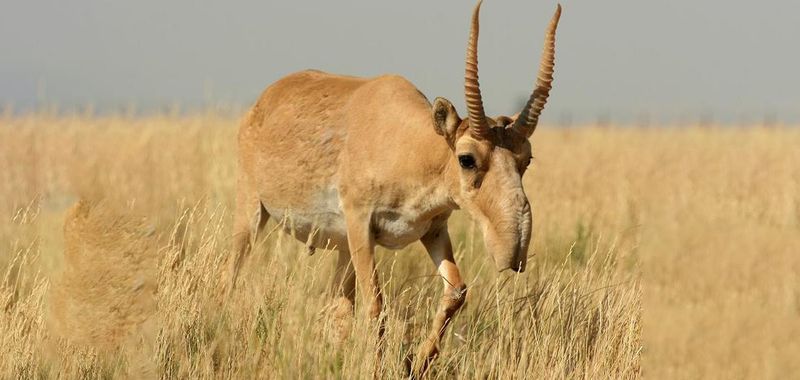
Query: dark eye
(466, 161)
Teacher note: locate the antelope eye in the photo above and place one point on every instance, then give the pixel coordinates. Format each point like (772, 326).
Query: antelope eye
(466, 161)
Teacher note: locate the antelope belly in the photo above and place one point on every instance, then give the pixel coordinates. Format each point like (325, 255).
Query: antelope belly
(324, 230)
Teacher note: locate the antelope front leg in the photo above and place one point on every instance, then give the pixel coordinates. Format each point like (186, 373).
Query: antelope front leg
(437, 242)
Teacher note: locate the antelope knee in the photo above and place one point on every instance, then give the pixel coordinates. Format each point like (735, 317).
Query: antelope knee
(454, 299)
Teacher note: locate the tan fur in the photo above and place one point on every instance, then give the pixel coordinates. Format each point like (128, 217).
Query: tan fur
(352, 163)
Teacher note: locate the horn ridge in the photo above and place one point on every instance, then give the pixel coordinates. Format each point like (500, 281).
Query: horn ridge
(529, 116)
(472, 87)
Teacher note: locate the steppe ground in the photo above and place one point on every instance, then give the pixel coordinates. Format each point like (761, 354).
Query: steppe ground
(660, 252)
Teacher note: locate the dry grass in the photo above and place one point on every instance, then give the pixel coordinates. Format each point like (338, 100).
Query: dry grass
(710, 216)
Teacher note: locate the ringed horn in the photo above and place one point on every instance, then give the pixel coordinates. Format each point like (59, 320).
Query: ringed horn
(472, 89)
(529, 117)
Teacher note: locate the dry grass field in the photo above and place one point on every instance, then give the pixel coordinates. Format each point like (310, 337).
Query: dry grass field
(665, 253)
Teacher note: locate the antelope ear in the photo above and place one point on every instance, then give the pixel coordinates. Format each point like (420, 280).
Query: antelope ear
(445, 119)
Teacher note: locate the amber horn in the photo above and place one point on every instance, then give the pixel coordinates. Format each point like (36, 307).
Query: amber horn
(529, 116)
(472, 89)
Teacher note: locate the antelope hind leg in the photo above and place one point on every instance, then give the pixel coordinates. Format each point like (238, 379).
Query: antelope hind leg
(249, 220)
(343, 292)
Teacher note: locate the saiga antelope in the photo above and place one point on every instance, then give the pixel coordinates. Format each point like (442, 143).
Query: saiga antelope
(357, 162)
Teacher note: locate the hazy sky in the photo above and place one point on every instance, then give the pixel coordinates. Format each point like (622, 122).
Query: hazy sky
(728, 60)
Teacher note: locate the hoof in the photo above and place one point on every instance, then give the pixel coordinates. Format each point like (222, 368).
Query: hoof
(426, 354)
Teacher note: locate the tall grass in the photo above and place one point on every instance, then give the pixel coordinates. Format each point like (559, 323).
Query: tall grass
(608, 203)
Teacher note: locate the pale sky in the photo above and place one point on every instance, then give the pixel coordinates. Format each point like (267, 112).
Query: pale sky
(725, 60)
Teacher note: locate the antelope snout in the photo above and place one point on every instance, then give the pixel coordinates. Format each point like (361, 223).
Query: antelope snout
(509, 245)
(515, 260)
(518, 265)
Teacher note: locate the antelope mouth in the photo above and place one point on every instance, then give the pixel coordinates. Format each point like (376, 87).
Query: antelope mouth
(517, 267)
(516, 264)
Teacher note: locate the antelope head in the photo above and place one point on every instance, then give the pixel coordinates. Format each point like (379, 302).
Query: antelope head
(490, 155)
